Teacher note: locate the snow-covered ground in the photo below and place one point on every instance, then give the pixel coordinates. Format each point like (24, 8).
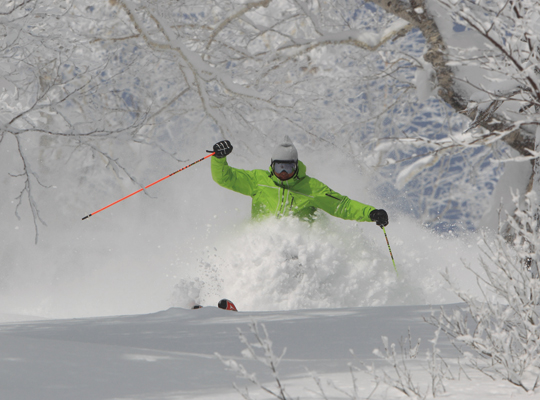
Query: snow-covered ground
(99, 309)
(172, 355)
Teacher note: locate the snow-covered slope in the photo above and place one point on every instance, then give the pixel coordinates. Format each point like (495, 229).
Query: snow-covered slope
(171, 355)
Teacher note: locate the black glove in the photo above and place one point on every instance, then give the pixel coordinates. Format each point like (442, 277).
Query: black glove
(380, 217)
(222, 149)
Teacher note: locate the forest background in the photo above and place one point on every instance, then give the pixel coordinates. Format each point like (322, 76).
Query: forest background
(428, 109)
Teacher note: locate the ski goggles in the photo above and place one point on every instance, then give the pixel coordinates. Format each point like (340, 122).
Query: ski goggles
(284, 166)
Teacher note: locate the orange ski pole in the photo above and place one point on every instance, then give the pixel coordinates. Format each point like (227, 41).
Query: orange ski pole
(146, 187)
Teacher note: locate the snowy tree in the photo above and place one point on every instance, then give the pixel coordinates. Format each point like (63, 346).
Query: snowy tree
(62, 90)
(382, 82)
(488, 72)
(502, 328)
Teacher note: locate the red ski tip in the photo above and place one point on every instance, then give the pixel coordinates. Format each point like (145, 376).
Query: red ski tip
(226, 305)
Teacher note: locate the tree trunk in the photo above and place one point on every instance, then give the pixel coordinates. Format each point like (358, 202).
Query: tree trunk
(519, 139)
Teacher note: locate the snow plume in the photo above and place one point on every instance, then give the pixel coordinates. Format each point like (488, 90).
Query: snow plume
(190, 240)
(284, 264)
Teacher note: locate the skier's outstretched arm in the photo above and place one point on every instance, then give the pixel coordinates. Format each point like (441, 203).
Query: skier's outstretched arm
(239, 180)
(343, 207)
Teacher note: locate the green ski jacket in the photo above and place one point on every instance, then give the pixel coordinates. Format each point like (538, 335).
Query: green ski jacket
(299, 196)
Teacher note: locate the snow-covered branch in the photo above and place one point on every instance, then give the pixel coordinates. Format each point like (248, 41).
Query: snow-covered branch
(364, 40)
(240, 12)
(364, 78)
(504, 46)
(503, 328)
(28, 176)
(261, 351)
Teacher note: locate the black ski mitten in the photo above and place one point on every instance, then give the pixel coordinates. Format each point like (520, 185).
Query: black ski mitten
(380, 217)
(222, 149)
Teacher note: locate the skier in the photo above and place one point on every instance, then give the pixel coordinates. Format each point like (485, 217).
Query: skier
(285, 189)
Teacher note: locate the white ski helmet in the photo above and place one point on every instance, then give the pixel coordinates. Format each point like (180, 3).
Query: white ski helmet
(285, 151)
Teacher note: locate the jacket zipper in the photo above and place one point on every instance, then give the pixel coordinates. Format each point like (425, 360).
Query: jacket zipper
(284, 200)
